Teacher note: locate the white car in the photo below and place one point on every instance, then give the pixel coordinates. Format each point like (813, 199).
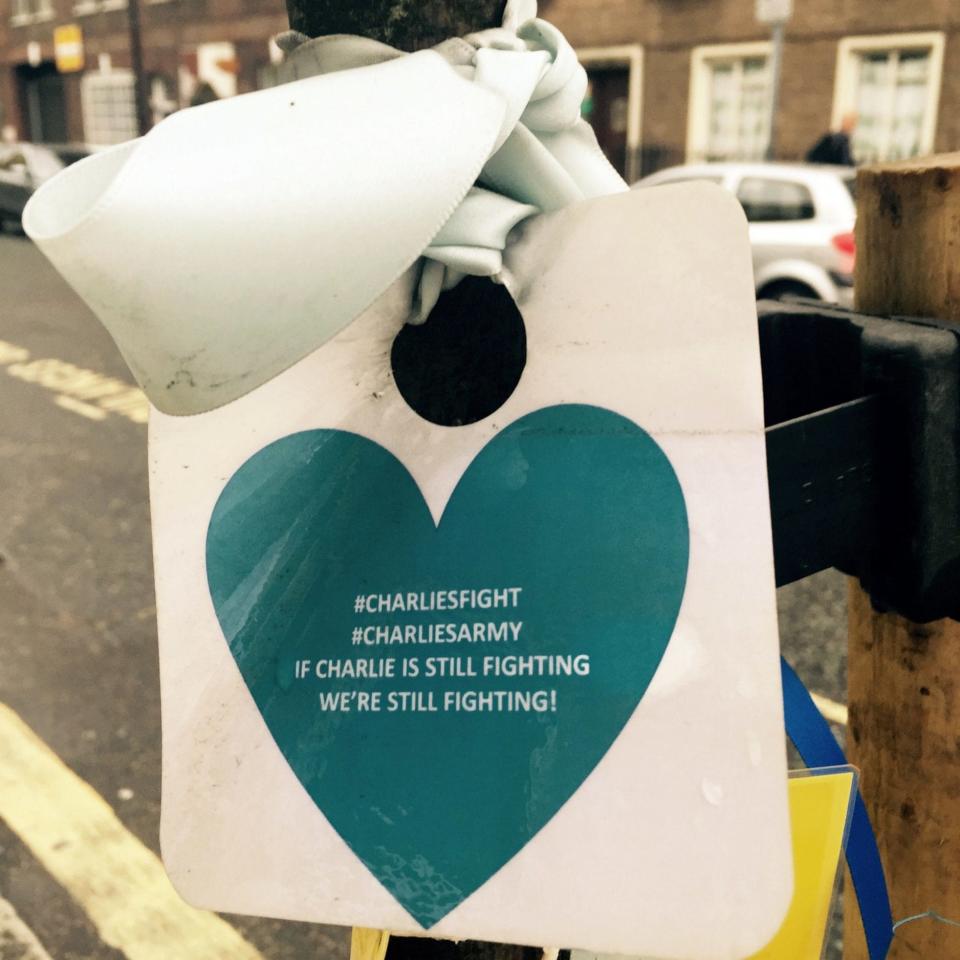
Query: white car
(801, 223)
(23, 167)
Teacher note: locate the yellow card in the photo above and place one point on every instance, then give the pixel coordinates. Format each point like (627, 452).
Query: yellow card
(819, 814)
(366, 944)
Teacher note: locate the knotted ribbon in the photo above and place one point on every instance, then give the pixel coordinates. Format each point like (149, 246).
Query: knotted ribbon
(237, 237)
(545, 156)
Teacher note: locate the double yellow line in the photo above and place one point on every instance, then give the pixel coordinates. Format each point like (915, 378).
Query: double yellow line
(85, 392)
(118, 882)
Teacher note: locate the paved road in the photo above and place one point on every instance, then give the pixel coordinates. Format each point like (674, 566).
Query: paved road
(78, 661)
(78, 654)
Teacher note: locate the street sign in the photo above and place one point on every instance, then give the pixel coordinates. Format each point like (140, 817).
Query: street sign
(774, 11)
(68, 48)
(516, 680)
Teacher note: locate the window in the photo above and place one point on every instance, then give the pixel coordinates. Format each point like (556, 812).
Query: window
(892, 84)
(85, 7)
(775, 201)
(30, 11)
(729, 116)
(109, 107)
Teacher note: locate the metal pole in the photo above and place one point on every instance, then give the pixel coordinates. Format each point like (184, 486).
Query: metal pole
(140, 94)
(776, 67)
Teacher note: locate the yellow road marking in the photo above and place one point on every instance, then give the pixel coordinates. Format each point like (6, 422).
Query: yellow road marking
(9, 353)
(367, 944)
(78, 406)
(86, 390)
(16, 938)
(119, 883)
(833, 711)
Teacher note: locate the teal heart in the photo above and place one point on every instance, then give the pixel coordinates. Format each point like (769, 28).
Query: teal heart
(576, 506)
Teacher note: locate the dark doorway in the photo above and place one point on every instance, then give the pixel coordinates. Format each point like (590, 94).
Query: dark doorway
(607, 107)
(43, 102)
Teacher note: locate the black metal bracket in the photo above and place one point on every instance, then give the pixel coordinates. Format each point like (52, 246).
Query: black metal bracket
(863, 447)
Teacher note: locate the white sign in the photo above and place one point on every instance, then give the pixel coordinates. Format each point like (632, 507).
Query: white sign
(516, 680)
(774, 11)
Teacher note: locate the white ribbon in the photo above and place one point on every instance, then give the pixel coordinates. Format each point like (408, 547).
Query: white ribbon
(237, 237)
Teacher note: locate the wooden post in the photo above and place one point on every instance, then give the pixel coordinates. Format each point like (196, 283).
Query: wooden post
(409, 26)
(904, 678)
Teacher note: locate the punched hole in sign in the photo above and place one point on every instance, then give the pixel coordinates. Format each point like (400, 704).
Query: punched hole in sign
(465, 362)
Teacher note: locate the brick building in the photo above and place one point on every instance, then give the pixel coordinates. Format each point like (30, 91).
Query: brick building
(672, 80)
(677, 80)
(186, 43)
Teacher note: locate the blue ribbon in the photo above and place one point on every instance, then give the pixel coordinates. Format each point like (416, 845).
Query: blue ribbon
(814, 740)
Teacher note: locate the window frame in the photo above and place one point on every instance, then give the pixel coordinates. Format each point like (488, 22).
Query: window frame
(849, 52)
(114, 77)
(21, 12)
(34, 11)
(698, 107)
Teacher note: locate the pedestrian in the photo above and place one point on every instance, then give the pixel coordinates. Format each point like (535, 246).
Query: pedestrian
(834, 146)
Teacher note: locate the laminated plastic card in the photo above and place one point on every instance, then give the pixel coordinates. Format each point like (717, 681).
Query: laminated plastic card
(515, 680)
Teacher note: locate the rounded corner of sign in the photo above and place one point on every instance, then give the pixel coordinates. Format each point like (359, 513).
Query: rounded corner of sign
(716, 208)
(627, 203)
(726, 203)
(184, 882)
(178, 868)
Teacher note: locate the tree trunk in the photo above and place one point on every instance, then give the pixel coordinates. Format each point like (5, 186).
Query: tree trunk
(401, 23)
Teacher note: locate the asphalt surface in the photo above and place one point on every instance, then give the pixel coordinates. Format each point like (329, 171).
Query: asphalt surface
(78, 652)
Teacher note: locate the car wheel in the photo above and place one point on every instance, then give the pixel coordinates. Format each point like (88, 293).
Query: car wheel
(787, 290)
